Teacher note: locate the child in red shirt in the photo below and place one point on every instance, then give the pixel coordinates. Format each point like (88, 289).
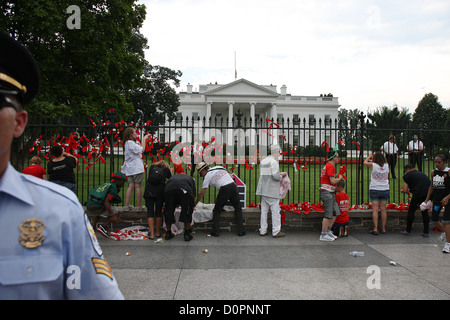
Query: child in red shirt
(35, 168)
(340, 227)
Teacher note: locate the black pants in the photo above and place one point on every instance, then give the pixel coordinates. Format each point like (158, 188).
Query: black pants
(175, 198)
(154, 207)
(392, 161)
(413, 206)
(228, 192)
(416, 157)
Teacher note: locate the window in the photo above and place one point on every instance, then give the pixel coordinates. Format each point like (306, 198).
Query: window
(195, 116)
(179, 117)
(312, 120)
(296, 119)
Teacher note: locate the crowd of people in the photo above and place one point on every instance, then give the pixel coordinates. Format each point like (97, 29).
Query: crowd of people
(48, 229)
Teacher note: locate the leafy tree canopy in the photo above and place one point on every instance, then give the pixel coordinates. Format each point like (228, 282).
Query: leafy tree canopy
(89, 70)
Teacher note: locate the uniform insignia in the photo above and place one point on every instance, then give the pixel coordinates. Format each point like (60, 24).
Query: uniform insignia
(102, 267)
(31, 236)
(93, 237)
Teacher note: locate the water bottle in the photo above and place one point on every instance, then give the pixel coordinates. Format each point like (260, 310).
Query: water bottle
(357, 254)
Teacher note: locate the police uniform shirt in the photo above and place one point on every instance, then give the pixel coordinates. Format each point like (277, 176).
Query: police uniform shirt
(390, 147)
(217, 177)
(48, 249)
(415, 145)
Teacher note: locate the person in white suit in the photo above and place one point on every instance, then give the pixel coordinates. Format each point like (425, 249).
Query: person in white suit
(269, 190)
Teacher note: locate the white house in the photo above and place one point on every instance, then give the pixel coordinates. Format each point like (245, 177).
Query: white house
(215, 103)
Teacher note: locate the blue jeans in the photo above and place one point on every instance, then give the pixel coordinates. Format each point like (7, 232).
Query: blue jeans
(69, 185)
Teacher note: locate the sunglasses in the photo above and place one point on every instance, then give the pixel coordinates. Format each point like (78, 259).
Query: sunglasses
(6, 102)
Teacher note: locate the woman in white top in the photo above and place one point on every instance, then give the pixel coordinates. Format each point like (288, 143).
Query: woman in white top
(133, 166)
(378, 189)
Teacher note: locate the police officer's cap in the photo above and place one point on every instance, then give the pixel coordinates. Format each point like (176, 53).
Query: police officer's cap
(19, 73)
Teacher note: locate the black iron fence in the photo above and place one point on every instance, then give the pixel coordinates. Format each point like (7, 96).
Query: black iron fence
(238, 144)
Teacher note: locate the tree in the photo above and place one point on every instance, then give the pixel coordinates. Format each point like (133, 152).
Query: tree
(157, 98)
(349, 123)
(387, 121)
(430, 119)
(84, 71)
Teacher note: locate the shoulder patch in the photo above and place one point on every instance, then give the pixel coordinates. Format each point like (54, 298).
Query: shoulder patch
(92, 236)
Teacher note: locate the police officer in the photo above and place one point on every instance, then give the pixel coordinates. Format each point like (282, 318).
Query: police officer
(220, 178)
(48, 249)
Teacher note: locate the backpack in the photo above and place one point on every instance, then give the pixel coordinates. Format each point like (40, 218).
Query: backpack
(156, 175)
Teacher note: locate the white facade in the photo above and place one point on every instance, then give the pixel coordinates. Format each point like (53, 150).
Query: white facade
(216, 101)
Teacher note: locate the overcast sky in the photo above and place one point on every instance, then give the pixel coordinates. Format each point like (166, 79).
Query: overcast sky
(366, 53)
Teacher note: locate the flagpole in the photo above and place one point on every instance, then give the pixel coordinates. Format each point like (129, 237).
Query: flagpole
(235, 70)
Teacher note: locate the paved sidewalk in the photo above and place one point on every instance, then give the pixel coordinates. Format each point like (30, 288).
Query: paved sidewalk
(295, 267)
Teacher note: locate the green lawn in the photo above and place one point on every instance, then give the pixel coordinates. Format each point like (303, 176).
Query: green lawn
(304, 183)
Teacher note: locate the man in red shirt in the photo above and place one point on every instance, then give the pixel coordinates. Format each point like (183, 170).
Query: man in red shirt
(328, 181)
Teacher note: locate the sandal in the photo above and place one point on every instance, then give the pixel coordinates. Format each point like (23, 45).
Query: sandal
(405, 233)
(374, 232)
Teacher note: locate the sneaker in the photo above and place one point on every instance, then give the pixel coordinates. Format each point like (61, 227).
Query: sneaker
(169, 235)
(187, 235)
(326, 237)
(279, 235)
(127, 208)
(446, 248)
(101, 228)
(331, 234)
(442, 237)
(140, 209)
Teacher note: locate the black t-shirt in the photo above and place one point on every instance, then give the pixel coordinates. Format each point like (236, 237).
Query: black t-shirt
(157, 190)
(441, 184)
(62, 170)
(418, 182)
(181, 181)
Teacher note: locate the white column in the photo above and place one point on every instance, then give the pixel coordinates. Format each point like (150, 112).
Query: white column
(274, 117)
(208, 112)
(252, 131)
(230, 139)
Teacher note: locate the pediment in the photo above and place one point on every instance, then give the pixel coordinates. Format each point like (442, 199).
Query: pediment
(242, 88)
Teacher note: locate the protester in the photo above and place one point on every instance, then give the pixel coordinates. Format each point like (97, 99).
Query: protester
(180, 190)
(439, 193)
(390, 150)
(222, 180)
(417, 184)
(340, 227)
(133, 166)
(378, 189)
(415, 152)
(100, 202)
(158, 173)
(269, 190)
(60, 168)
(48, 246)
(35, 169)
(328, 181)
